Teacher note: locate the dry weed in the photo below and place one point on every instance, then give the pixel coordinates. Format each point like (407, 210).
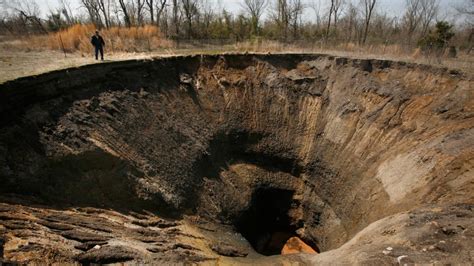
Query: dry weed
(118, 39)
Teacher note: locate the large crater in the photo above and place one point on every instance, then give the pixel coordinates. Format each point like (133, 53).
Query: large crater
(207, 158)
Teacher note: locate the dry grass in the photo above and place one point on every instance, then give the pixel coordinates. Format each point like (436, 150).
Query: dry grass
(148, 41)
(395, 52)
(118, 39)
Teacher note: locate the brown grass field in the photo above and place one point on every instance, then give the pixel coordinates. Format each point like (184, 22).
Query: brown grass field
(71, 48)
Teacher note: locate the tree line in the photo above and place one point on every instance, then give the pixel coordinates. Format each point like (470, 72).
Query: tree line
(356, 21)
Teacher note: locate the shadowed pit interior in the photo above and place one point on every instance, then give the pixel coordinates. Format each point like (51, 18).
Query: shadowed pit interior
(191, 153)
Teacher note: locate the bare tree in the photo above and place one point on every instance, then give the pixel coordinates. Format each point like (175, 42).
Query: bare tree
(93, 9)
(316, 7)
(338, 8)
(65, 8)
(4, 19)
(126, 13)
(28, 11)
(383, 26)
(104, 7)
(206, 17)
(116, 9)
(367, 10)
(467, 9)
(352, 23)
(164, 19)
(281, 16)
(139, 11)
(176, 18)
(412, 17)
(429, 11)
(190, 11)
(160, 8)
(255, 9)
(296, 9)
(419, 15)
(331, 10)
(151, 8)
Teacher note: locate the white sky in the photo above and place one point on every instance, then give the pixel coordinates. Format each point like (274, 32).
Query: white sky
(390, 7)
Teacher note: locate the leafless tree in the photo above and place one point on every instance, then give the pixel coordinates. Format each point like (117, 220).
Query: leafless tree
(93, 10)
(316, 7)
(338, 8)
(104, 7)
(412, 17)
(367, 11)
(160, 8)
(125, 12)
(429, 11)
(281, 16)
(352, 23)
(286, 14)
(206, 17)
(176, 17)
(140, 5)
(4, 18)
(255, 9)
(190, 10)
(151, 8)
(348, 19)
(28, 11)
(65, 8)
(331, 11)
(116, 10)
(383, 26)
(296, 9)
(419, 14)
(467, 9)
(164, 19)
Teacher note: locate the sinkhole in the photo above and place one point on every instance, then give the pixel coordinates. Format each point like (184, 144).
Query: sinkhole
(270, 146)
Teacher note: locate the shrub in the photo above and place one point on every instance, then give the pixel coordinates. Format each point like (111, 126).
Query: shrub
(439, 39)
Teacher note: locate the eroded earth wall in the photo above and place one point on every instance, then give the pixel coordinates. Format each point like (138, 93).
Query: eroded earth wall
(354, 141)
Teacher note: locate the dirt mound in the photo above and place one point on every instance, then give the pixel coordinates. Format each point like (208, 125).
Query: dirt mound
(294, 245)
(225, 158)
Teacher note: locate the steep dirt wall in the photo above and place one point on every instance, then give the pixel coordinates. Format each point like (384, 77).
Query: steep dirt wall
(346, 141)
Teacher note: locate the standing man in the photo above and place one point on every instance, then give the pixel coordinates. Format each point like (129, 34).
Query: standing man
(99, 45)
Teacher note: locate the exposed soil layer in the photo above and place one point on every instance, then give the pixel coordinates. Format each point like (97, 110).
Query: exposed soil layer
(225, 158)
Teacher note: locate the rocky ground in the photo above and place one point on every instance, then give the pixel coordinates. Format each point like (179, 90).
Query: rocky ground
(222, 159)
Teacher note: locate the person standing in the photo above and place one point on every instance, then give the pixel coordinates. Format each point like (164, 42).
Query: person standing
(99, 44)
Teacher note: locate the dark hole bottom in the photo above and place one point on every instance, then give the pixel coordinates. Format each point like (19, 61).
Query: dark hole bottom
(266, 224)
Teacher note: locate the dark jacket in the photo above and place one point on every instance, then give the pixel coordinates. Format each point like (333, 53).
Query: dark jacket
(97, 41)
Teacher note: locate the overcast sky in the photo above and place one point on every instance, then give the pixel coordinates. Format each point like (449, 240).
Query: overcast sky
(390, 7)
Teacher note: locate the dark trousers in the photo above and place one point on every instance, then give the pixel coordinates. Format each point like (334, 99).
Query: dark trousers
(97, 50)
